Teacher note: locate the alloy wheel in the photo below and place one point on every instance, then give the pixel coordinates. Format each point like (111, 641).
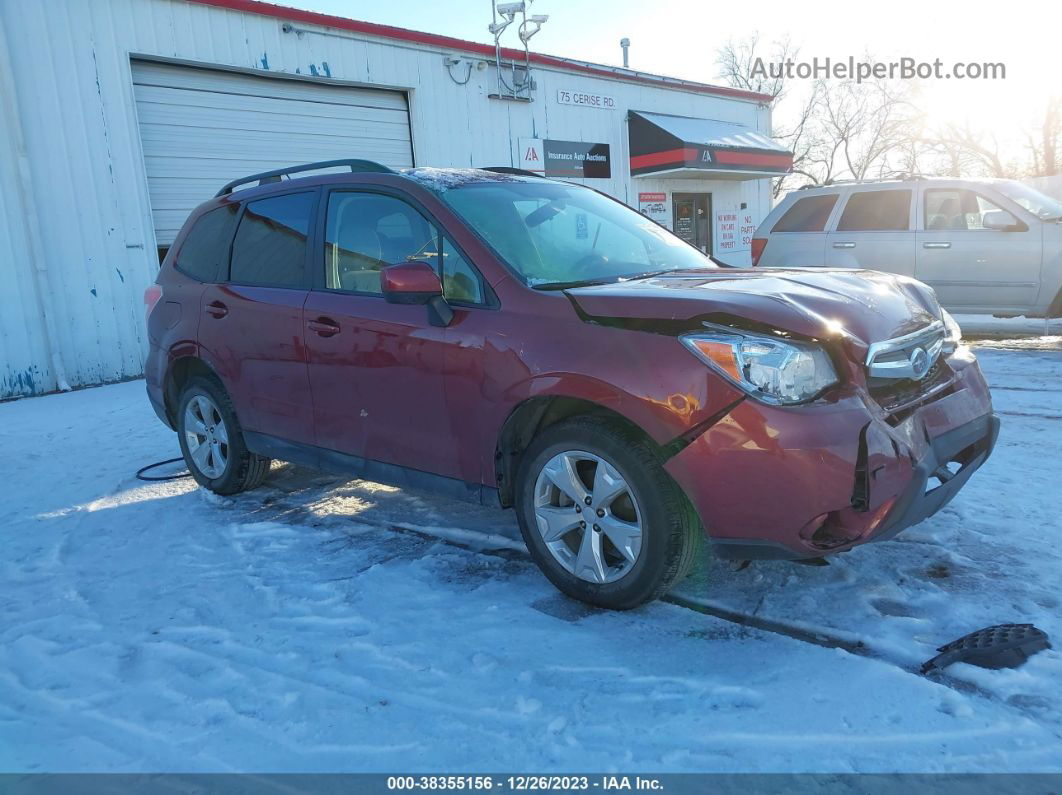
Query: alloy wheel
(206, 436)
(588, 516)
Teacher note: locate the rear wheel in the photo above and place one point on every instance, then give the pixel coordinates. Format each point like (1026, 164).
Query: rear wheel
(602, 519)
(212, 441)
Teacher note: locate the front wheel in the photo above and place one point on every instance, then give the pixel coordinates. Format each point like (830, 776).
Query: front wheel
(212, 441)
(602, 519)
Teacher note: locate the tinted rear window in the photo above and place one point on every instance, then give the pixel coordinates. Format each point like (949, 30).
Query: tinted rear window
(270, 245)
(807, 215)
(876, 211)
(205, 251)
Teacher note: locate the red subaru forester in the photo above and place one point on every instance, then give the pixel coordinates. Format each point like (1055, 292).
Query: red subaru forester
(518, 341)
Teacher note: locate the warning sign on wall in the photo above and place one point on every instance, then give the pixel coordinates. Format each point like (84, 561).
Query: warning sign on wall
(733, 231)
(654, 206)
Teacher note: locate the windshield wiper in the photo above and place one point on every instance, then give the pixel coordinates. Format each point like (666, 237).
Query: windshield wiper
(615, 279)
(652, 274)
(577, 283)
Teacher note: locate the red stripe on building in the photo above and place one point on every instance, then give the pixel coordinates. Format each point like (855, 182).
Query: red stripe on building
(487, 50)
(666, 158)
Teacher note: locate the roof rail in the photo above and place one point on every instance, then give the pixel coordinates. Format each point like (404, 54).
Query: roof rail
(520, 172)
(274, 176)
(891, 178)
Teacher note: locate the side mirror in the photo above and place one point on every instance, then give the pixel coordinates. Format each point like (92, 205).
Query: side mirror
(416, 283)
(1002, 221)
(410, 283)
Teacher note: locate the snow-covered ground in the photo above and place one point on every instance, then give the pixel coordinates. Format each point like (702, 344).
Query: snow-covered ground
(321, 625)
(975, 326)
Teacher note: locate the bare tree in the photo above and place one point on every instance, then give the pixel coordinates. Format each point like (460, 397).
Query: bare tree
(834, 129)
(1044, 146)
(967, 151)
(874, 129)
(741, 65)
(866, 126)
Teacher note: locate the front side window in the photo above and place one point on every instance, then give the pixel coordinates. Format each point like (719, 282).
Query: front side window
(949, 209)
(554, 235)
(270, 244)
(807, 215)
(204, 253)
(461, 282)
(876, 211)
(1042, 206)
(365, 232)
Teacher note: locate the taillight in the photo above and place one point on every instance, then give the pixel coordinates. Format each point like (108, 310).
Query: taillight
(151, 297)
(758, 245)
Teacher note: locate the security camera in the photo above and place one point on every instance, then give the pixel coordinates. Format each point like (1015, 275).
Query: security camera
(541, 19)
(510, 9)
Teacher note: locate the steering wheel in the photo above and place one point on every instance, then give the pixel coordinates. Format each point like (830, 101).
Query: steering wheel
(591, 261)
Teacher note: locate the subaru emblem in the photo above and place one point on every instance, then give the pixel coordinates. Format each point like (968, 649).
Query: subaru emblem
(919, 363)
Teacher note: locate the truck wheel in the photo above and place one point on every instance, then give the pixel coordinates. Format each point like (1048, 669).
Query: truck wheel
(1055, 310)
(602, 519)
(212, 440)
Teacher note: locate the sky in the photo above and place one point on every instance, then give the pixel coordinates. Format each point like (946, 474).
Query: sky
(680, 39)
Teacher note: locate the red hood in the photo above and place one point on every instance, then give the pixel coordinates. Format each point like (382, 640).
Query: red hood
(864, 306)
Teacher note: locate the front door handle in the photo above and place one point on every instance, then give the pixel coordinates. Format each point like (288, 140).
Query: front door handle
(324, 327)
(844, 245)
(216, 309)
(936, 245)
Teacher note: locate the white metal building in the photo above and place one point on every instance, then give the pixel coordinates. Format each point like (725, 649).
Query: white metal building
(119, 116)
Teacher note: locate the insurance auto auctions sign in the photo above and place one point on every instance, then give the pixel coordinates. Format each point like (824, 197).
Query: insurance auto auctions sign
(566, 158)
(585, 100)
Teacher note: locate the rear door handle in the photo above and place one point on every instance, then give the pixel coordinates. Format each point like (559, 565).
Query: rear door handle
(844, 245)
(324, 327)
(936, 245)
(216, 309)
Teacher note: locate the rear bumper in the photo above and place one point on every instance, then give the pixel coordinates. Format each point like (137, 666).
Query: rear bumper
(155, 398)
(776, 483)
(154, 377)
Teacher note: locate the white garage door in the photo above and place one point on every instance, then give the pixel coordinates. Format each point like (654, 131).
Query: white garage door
(202, 128)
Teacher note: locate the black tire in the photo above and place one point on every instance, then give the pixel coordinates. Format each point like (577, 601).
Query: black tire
(243, 469)
(671, 531)
(1055, 310)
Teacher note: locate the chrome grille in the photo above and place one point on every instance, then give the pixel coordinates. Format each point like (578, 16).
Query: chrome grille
(911, 356)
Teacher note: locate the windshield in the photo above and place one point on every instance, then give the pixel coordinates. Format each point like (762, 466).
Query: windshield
(557, 235)
(1043, 207)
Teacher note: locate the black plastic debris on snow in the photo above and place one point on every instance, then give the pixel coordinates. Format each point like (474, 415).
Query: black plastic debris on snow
(1001, 646)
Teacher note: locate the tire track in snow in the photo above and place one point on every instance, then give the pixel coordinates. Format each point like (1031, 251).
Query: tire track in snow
(481, 543)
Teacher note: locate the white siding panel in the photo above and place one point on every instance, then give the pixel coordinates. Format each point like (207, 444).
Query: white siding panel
(200, 128)
(24, 357)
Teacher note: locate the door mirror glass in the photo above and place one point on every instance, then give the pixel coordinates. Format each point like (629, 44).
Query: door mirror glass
(1001, 220)
(410, 283)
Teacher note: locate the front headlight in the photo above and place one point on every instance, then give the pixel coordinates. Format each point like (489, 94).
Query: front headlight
(952, 333)
(781, 372)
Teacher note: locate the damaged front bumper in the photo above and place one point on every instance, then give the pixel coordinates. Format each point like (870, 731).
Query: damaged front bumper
(801, 482)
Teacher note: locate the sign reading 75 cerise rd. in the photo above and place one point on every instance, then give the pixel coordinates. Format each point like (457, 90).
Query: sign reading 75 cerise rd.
(585, 100)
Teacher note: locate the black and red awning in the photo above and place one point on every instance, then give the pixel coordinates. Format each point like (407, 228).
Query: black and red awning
(679, 146)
